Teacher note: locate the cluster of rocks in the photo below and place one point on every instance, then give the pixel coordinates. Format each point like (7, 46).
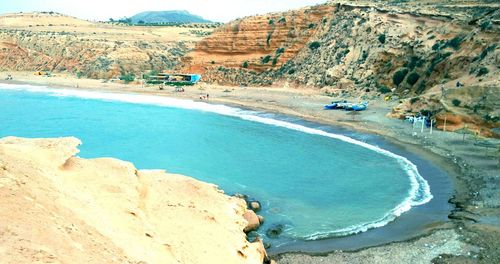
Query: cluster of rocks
(254, 220)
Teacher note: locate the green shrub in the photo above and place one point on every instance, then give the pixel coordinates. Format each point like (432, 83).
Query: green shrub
(491, 118)
(415, 62)
(381, 38)
(245, 64)
(485, 52)
(414, 100)
(282, 20)
(314, 45)
(312, 25)
(149, 74)
(486, 25)
(271, 22)
(275, 61)
(280, 50)
(388, 65)
(268, 39)
(127, 77)
(266, 59)
(291, 71)
(103, 63)
(436, 60)
(455, 42)
(425, 112)
(364, 56)
(399, 76)
(456, 102)
(436, 46)
(482, 71)
(384, 89)
(412, 79)
(421, 87)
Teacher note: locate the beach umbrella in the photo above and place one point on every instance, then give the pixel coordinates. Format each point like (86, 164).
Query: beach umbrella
(465, 130)
(353, 114)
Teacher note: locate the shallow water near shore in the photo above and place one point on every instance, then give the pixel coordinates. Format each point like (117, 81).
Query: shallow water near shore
(313, 180)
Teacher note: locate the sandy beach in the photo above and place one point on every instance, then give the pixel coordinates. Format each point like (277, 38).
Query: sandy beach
(473, 228)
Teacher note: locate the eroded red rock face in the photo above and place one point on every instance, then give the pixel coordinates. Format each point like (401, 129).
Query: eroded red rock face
(258, 43)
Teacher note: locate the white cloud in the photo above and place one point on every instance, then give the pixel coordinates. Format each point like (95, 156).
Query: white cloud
(217, 10)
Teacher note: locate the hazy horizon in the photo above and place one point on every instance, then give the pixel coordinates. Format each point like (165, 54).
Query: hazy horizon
(217, 10)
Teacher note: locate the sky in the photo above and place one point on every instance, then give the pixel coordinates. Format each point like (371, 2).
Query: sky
(101, 10)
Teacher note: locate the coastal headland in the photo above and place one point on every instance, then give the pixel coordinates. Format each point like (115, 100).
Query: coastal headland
(57, 207)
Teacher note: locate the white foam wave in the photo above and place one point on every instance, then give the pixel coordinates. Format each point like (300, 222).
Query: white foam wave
(419, 192)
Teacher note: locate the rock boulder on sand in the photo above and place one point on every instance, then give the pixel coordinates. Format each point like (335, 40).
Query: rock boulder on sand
(55, 207)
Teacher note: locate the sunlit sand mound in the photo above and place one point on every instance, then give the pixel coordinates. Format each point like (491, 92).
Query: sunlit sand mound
(55, 207)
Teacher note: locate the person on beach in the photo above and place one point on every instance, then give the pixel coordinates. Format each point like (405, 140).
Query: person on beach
(208, 96)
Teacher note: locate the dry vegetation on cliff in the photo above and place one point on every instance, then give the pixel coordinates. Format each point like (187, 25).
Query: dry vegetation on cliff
(58, 43)
(363, 49)
(325, 44)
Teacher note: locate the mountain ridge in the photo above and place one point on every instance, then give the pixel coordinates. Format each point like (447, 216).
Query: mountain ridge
(170, 16)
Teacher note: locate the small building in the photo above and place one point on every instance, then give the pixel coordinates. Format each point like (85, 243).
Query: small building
(174, 79)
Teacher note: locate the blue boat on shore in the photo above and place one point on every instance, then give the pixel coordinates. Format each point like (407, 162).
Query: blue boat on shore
(335, 105)
(346, 106)
(331, 106)
(358, 107)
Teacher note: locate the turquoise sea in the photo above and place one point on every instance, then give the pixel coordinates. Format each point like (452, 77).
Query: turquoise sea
(315, 183)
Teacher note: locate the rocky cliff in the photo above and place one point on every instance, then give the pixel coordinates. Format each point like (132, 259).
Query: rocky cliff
(59, 208)
(58, 43)
(258, 43)
(365, 49)
(329, 44)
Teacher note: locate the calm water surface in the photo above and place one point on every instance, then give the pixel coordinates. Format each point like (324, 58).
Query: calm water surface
(316, 184)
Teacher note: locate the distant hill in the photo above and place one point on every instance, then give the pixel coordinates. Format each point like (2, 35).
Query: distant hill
(48, 41)
(174, 16)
